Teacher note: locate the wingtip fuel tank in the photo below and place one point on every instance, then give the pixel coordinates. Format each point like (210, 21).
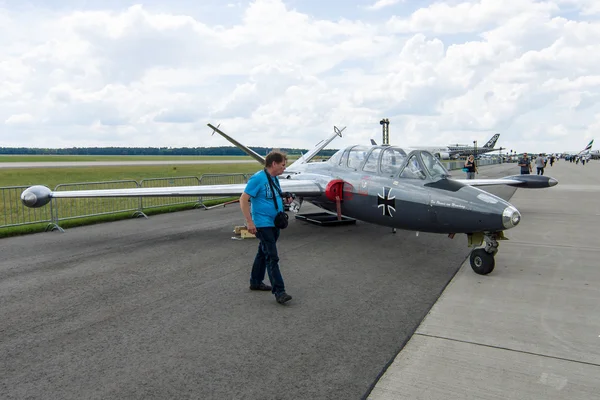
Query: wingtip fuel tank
(532, 181)
(36, 196)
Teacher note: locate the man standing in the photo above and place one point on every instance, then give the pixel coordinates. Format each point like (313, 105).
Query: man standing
(540, 164)
(259, 211)
(525, 164)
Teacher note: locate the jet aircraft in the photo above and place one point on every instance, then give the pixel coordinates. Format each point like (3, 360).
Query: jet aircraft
(586, 152)
(379, 184)
(456, 150)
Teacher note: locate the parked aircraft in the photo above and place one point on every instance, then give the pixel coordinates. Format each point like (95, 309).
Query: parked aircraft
(586, 152)
(456, 150)
(383, 185)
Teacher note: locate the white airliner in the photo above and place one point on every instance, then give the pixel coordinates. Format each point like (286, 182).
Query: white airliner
(454, 151)
(587, 152)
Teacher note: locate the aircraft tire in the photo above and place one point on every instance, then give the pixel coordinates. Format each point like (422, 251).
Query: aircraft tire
(482, 262)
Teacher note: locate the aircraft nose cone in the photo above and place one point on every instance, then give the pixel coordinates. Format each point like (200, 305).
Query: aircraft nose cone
(552, 182)
(511, 217)
(28, 198)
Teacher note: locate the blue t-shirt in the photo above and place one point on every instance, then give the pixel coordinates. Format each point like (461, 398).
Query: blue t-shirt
(261, 199)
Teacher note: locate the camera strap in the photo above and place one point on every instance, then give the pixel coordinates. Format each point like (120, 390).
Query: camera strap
(273, 189)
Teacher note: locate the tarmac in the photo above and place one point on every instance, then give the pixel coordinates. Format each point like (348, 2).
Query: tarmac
(160, 308)
(530, 329)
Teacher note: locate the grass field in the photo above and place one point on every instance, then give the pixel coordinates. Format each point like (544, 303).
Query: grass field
(53, 176)
(58, 158)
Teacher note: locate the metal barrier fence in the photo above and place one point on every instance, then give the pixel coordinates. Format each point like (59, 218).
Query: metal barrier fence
(66, 209)
(156, 202)
(14, 213)
(459, 164)
(220, 179)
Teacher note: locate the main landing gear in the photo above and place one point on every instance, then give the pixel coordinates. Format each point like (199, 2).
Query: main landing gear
(482, 259)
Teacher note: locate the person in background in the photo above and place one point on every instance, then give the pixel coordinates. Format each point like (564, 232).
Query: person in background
(525, 164)
(471, 167)
(540, 164)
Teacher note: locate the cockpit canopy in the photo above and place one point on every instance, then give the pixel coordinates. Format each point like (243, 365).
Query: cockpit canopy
(390, 161)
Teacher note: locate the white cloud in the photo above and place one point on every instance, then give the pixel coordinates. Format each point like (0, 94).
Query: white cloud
(19, 119)
(585, 7)
(448, 72)
(467, 16)
(382, 4)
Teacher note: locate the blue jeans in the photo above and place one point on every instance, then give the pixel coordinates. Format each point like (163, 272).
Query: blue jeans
(267, 260)
(470, 175)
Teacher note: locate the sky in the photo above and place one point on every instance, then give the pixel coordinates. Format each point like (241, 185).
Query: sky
(283, 73)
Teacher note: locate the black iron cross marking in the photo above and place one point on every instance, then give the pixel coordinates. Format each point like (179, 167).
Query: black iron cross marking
(386, 202)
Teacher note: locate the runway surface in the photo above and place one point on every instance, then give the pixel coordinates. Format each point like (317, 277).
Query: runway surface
(160, 308)
(530, 329)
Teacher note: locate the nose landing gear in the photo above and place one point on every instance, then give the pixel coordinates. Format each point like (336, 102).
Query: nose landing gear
(482, 259)
(482, 262)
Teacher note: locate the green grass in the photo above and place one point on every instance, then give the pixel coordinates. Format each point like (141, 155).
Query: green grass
(53, 176)
(62, 158)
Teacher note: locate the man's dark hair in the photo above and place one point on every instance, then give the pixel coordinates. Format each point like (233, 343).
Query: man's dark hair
(275, 156)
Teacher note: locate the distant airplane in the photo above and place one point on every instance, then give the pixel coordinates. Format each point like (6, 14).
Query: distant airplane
(383, 185)
(456, 150)
(586, 152)
(588, 148)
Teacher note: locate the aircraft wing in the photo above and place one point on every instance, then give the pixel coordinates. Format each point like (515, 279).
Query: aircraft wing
(38, 196)
(240, 146)
(520, 181)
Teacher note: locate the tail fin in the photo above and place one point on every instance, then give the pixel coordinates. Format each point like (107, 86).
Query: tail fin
(318, 147)
(587, 148)
(240, 146)
(492, 142)
(374, 143)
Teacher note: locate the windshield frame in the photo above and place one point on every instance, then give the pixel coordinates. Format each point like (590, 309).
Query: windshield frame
(430, 167)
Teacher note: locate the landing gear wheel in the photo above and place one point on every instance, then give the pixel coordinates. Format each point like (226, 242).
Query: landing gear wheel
(482, 262)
